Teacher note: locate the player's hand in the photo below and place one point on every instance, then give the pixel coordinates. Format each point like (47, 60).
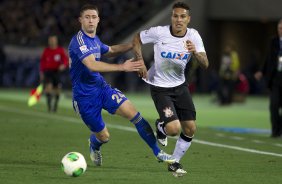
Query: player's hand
(143, 72)
(190, 46)
(130, 66)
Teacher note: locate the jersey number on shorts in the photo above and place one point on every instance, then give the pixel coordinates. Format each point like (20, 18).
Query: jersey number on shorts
(118, 97)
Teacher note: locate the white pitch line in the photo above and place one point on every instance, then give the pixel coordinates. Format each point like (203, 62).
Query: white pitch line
(130, 129)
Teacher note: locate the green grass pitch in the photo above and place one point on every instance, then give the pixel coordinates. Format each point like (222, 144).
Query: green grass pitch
(33, 143)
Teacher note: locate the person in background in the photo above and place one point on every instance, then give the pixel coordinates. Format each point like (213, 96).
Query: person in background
(228, 75)
(2, 63)
(53, 61)
(272, 72)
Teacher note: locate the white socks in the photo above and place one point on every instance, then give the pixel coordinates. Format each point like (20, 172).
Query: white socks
(181, 147)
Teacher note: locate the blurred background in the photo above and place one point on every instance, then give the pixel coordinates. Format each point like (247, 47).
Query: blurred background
(245, 27)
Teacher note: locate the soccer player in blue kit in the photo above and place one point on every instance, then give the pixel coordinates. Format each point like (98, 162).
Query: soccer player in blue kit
(91, 93)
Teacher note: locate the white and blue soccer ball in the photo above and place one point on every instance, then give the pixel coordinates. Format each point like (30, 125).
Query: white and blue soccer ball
(74, 164)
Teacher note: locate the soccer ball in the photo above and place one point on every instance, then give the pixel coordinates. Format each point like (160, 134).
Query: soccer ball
(73, 164)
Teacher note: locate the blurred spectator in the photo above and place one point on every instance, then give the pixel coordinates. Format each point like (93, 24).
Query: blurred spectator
(43, 17)
(53, 61)
(272, 71)
(228, 74)
(2, 63)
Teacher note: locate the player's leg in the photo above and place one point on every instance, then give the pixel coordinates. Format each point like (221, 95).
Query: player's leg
(187, 115)
(116, 103)
(97, 139)
(128, 111)
(90, 112)
(168, 124)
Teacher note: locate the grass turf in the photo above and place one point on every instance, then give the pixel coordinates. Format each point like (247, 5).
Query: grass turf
(34, 141)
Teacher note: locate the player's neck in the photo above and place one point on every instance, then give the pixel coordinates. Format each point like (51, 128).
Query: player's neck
(92, 35)
(178, 33)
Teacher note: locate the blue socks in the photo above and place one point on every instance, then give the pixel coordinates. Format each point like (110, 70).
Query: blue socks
(146, 132)
(95, 143)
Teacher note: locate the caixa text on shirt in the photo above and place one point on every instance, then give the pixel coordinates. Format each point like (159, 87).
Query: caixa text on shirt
(175, 55)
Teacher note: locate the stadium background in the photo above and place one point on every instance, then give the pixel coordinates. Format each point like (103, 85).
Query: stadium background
(232, 144)
(25, 25)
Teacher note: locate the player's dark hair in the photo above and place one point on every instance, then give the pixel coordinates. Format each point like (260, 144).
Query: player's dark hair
(181, 5)
(88, 7)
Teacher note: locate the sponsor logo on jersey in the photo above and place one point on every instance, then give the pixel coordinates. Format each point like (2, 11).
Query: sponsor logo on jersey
(175, 55)
(83, 49)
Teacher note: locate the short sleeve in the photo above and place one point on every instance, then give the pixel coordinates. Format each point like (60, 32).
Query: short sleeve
(104, 48)
(198, 42)
(80, 48)
(149, 35)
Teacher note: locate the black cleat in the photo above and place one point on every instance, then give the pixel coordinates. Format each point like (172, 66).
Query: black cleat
(176, 169)
(162, 138)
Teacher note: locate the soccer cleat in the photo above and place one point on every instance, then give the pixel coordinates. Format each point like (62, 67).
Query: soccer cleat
(96, 157)
(176, 169)
(162, 138)
(164, 157)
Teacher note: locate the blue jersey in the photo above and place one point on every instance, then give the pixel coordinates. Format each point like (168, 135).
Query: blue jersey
(85, 83)
(91, 93)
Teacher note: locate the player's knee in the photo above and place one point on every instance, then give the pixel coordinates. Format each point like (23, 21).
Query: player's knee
(173, 128)
(105, 137)
(190, 129)
(193, 130)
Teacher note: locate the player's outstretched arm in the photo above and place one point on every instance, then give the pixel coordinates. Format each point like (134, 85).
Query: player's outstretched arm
(100, 66)
(116, 50)
(137, 50)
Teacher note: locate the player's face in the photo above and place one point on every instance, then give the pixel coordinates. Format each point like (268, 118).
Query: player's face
(279, 29)
(180, 19)
(89, 20)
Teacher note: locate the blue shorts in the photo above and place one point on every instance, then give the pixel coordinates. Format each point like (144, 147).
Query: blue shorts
(90, 108)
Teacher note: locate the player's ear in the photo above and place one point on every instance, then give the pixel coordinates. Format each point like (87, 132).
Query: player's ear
(79, 19)
(189, 19)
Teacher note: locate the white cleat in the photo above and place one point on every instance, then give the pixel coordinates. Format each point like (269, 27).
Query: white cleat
(96, 157)
(164, 157)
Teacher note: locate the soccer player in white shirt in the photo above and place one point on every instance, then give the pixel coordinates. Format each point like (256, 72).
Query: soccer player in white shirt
(174, 46)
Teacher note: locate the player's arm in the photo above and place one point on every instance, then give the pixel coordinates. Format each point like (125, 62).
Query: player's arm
(127, 66)
(115, 50)
(200, 57)
(137, 50)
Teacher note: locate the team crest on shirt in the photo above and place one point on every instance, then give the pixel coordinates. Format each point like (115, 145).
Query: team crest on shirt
(168, 112)
(83, 49)
(185, 45)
